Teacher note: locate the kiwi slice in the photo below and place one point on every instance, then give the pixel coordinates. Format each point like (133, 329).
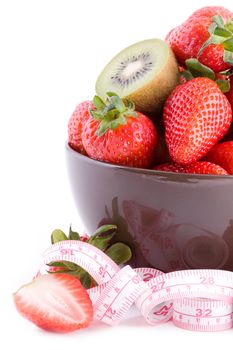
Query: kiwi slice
(145, 73)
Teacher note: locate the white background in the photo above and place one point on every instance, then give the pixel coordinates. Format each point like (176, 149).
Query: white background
(50, 55)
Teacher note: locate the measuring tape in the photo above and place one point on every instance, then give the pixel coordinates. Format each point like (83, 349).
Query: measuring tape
(200, 300)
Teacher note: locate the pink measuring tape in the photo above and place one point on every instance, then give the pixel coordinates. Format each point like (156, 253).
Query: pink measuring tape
(200, 300)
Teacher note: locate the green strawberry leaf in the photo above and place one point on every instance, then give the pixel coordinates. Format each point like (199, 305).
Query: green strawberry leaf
(115, 123)
(228, 57)
(56, 264)
(64, 264)
(224, 85)
(131, 114)
(96, 115)
(104, 126)
(222, 32)
(130, 105)
(218, 20)
(187, 75)
(98, 102)
(73, 235)
(70, 265)
(58, 236)
(118, 103)
(228, 44)
(198, 69)
(102, 236)
(119, 252)
(102, 242)
(110, 94)
(113, 113)
(86, 280)
(212, 28)
(103, 230)
(229, 26)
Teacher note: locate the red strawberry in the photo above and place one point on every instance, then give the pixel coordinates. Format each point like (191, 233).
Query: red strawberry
(199, 29)
(229, 94)
(222, 154)
(196, 116)
(55, 302)
(116, 134)
(75, 125)
(194, 168)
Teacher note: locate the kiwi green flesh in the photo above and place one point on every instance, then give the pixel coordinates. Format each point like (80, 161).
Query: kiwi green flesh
(133, 68)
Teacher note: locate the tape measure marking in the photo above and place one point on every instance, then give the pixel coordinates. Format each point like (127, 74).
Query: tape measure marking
(196, 299)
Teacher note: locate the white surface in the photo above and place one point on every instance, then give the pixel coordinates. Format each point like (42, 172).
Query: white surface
(51, 54)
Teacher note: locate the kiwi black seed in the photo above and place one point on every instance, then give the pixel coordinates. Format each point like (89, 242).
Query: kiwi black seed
(145, 73)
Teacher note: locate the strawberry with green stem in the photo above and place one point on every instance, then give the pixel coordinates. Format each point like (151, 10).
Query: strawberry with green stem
(119, 252)
(117, 134)
(206, 35)
(194, 69)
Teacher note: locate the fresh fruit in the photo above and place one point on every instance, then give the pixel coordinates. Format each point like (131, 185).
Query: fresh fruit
(196, 69)
(119, 135)
(102, 239)
(55, 302)
(194, 168)
(75, 125)
(196, 116)
(229, 94)
(145, 73)
(207, 35)
(222, 154)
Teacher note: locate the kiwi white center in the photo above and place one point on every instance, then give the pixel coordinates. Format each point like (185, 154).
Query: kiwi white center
(131, 69)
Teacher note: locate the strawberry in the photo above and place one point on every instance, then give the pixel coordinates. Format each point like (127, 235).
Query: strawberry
(207, 35)
(102, 239)
(194, 168)
(196, 116)
(56, 303)
(222, 154)
(119, 135)
(229, 94)
(75, 125)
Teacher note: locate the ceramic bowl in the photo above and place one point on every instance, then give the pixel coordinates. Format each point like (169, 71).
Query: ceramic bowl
(171, 221)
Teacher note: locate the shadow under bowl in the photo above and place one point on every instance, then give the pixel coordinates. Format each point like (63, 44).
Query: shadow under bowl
(171, 221)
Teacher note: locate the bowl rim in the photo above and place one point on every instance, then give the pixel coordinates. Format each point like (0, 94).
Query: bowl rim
(144, 171)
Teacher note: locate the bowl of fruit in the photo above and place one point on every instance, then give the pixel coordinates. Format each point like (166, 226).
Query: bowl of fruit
(153, 151)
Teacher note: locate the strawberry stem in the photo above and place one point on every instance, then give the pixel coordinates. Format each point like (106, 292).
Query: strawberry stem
(221, 32)
(111, 113)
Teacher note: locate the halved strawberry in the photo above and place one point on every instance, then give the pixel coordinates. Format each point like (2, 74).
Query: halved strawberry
(56, 303)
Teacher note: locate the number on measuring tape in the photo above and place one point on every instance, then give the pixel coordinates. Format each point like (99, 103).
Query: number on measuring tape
(203, 313)
(194, 299)
(207, 280)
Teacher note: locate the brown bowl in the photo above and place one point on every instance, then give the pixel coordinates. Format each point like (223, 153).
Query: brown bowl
(171, 221)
